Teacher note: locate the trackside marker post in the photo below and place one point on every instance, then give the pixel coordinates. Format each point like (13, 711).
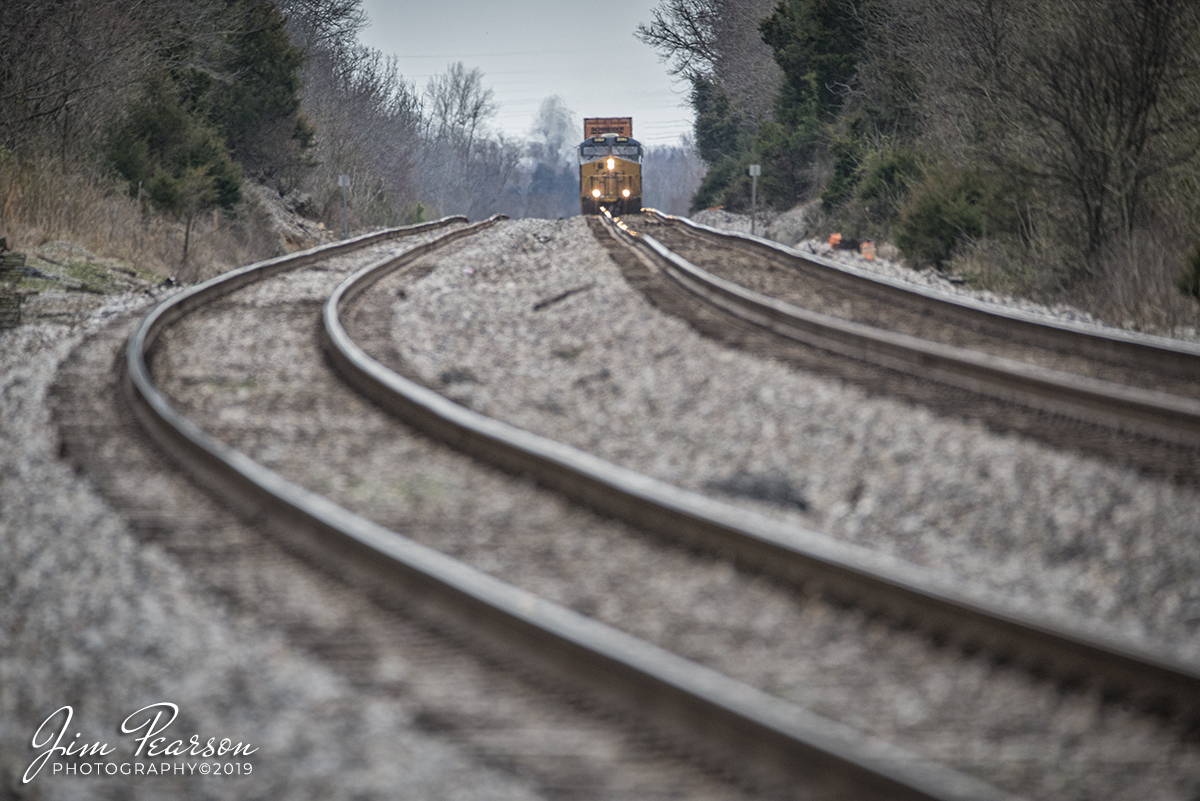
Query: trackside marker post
(344, 182)
(755, 171)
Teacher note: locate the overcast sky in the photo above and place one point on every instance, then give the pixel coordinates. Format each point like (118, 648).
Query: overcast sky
(531, 49)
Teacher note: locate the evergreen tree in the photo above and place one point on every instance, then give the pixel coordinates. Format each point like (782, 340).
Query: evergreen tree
(174, 156)
(817, 44)
(723, 139)
(257, 105)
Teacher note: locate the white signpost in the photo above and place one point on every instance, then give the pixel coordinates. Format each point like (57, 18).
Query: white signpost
(755, 171)
(344, 182)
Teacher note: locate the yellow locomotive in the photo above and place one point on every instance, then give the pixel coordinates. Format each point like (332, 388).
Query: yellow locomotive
(610, 167)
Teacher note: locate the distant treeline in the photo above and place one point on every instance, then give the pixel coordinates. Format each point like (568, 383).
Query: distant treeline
(1040, 145)
(182, 100)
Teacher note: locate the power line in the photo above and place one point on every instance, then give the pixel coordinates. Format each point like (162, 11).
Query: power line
(514, 53)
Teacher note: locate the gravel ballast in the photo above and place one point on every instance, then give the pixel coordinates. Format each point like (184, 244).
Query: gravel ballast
(96, 618)
(245, 370)
(343, 698)
(602, 370)
(534, 324)
(927, 277)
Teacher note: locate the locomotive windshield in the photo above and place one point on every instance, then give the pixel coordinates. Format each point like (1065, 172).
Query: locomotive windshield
(599, 147)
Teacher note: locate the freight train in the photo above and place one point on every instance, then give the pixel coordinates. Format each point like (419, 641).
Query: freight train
(610, 166)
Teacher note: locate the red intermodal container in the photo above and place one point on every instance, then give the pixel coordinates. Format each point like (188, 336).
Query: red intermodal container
(594, 126)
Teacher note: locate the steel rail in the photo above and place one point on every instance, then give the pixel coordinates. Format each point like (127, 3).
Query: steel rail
(779, 742)
(777, 746)
(1071, 650)
(1089, 340)
(180, 304)
(1168, 418)
(1157, 679)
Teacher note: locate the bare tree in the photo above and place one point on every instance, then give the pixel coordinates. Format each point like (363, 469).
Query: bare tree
(489, 175)
(684, 32)
(67, 65)
(671, 175)
(368, 118)
(463, 170)
(1090, 99)
(368, 121)
(458, 107)
(744, 62)
(549, 177)
(328, 25)
(1111, 98)
(718, 41)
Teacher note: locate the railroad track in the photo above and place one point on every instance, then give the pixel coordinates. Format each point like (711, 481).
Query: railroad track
(1127, 396)
(853, 575)
(1127, 358)
(774, 743)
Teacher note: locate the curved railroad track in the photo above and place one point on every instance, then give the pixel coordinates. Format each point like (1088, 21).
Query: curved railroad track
(854, 575)
(1123, 357)
(1129, 397)
(758, 735)
(1071, 654)
(773, 745)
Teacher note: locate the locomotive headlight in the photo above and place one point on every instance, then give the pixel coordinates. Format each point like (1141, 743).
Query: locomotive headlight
(625, 192)
(595, 193)
(612, 164)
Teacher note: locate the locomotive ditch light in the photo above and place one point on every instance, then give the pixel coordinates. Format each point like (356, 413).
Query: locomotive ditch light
(612, 164)
(625, 192)
(595, 193)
